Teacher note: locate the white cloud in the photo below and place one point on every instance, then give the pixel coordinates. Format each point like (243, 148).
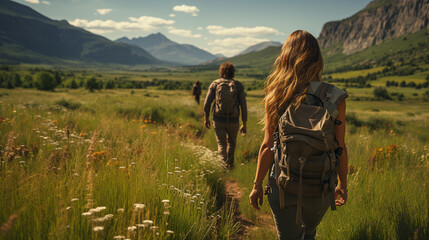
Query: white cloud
(199, 28)
(33, 1)
(172, 15)
(46, 2)
(237, 42)
(183, 33)
(194, 14)
(99, 31)
(224, 51)
(104, 11)
(232, 46)
(242, 31)
(145, 23)
(186, 9)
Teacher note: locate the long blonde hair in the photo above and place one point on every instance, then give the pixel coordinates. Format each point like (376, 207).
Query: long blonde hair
(299, 63)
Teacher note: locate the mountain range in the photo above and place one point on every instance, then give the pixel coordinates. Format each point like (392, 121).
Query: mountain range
(260, 46)
(27, 36)
(164, 49)
(383, 30)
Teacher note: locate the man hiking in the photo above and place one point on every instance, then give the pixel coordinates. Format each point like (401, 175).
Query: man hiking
(229, 98)
(196, 91)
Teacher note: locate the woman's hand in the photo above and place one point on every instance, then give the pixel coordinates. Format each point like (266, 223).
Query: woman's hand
(339, 190)
(207, 122)
(257, 195)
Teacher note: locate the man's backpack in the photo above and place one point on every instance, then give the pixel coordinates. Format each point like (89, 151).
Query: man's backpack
(306, 152)
(226, 100)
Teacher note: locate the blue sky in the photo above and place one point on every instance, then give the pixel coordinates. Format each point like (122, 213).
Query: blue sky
(218, 26)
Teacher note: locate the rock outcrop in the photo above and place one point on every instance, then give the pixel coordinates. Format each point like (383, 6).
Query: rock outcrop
(379, 21)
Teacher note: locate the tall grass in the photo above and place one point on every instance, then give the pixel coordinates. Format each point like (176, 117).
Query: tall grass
(110, 175)
(144, 151)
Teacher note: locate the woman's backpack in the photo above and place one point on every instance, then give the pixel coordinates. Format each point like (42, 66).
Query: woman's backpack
(306, 152)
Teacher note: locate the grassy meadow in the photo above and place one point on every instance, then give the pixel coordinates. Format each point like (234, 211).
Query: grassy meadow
(138, 163)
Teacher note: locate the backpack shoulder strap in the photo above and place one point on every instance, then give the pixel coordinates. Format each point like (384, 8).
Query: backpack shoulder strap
(331, 96)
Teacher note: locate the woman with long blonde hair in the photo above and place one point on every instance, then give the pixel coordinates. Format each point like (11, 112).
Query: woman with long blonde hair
(297, 74)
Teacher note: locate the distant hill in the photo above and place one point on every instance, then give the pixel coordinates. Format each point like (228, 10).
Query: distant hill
(379, 21)
(260, 46)
(263, 59)
(28, 36)
(164, 49)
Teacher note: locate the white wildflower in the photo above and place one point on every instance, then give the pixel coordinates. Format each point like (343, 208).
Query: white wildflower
(165, 201)
(139, 206)
(98, 229)
(74, 199)
(87, 214)
(148, 223)
(121, 210)
(169, 232)
(132, 228)
(119, 237)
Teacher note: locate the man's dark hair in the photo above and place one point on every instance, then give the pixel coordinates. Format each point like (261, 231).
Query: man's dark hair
(226, 70)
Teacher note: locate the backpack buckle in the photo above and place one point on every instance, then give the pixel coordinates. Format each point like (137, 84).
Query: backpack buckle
(268, 190)
(274, 148)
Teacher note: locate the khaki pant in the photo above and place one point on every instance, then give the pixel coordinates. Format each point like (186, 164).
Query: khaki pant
(226, 136)
(285, 219)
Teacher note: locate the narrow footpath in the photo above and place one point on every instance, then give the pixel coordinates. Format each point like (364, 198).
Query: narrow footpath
(234, 196)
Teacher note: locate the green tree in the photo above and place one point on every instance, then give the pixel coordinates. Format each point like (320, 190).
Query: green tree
(381, 93)
(17, 80)
(28, 81)
(45, 81)
(57, 77)
(71, 83)
(92, 84)
(110, 84)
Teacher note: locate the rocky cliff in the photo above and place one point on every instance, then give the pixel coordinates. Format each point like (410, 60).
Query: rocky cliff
(378, 21)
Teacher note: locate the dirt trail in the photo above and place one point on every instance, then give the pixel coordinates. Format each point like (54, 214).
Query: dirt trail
(234, 195)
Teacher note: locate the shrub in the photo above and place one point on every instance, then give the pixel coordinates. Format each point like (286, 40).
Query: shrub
(400, 97)
(71, 83)
(91, 84)
(426, 96)
(381, 93)
(45, 81)
(68, 104)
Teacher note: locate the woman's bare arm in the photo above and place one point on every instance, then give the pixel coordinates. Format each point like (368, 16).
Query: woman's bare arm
(340, 131)
(265, 160)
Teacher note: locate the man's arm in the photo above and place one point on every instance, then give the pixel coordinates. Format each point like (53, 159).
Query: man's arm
(243, 106)
(207, 104)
